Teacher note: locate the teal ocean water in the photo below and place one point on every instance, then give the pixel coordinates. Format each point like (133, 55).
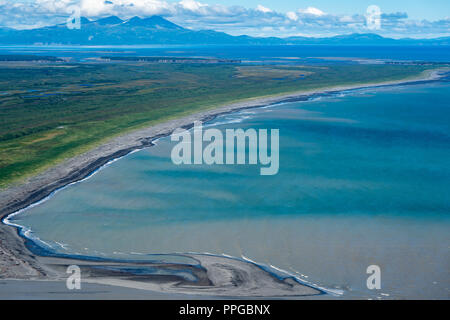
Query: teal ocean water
(364, 180)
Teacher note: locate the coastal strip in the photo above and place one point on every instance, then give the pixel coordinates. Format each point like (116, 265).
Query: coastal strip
(17, 262)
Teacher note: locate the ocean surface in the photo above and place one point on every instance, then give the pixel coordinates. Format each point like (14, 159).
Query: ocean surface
(363, 180)
(275, 54)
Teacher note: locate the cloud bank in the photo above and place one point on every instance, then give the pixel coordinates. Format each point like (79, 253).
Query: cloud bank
(235, 20)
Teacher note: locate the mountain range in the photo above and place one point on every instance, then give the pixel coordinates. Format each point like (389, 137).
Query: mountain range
(158, 30)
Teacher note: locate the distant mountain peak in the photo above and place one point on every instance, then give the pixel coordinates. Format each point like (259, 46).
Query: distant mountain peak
(112, 20)
(154, 22)
(359, 36)
(84, 20)
(135, 21)
(368, 36)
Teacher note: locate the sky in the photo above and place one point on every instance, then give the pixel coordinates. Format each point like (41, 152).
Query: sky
(281, 18)
(416, 9)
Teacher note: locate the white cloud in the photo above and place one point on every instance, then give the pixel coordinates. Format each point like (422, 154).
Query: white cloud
(93, 8)
(263, 9)
(346, 19)
(312, 11)
(292, 16)
(193, 5)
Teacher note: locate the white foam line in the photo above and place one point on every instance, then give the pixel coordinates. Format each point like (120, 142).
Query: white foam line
(337, 292)
(230, 121)
(278, 269)
(245, 114)
(248, 259)
(62, 245)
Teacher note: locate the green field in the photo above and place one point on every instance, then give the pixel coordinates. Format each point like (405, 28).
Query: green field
(54, 111)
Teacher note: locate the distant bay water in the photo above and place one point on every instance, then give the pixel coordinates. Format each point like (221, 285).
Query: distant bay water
(286, 54)
(363, 180)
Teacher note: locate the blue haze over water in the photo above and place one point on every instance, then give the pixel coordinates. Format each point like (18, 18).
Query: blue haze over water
(363, 180)
(270, 54)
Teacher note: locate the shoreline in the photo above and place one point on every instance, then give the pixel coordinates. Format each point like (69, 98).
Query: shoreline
(35, 189)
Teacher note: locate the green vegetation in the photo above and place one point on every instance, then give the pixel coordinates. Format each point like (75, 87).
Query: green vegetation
(170, 59)
(22, 57)
(51, 112)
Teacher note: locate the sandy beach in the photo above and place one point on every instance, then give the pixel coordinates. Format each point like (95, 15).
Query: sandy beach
(218, 277)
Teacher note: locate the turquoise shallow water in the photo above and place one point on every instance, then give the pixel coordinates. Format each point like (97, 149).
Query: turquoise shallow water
(363, 180)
